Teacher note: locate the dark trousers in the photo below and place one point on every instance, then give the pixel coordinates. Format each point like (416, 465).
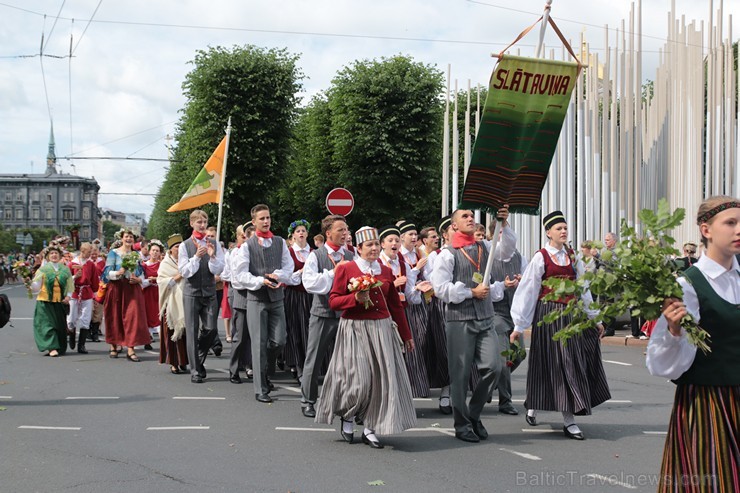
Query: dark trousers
(200, 329)
(468, 342)
(241, 346)
(322, 331)
(504, 382)
(266, 325)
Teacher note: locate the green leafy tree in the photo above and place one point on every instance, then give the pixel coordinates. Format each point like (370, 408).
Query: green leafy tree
(109, 229)
(386, 139)
(258, 88)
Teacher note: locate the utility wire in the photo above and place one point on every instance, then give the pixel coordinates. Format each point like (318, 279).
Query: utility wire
(43, 48)
(86, 26)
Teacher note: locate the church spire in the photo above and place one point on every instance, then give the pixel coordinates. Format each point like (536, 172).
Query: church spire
(51, 157)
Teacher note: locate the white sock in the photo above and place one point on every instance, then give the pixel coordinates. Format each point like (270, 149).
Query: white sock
(569, 420)
(370, 434)
(445, 392)
(531, 413)
(444, 401)
(348, 426)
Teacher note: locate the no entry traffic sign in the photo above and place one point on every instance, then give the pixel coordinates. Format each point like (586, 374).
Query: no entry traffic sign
(340, 201)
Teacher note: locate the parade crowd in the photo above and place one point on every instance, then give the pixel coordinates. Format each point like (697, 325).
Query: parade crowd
(391, 312)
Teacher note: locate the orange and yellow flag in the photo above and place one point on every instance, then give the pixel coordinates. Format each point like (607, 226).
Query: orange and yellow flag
(205, 189)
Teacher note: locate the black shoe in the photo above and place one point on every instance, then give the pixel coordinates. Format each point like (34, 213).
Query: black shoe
(508, 410)
(358, 421)
(294, 373)
(82, 340)
(308, 410)
(348, 437)
(72, 341)
(234, 378)
(574, 436)
(250, 374)
(217, 351)
(196, 379)
(270, 385)
(467, 436)
(148, 347)
(479, 429)
(263, 398)
(531, 420)
(372, 443)
(609, 333)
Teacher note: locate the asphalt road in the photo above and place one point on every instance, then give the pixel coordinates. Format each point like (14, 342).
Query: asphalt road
(86, 423)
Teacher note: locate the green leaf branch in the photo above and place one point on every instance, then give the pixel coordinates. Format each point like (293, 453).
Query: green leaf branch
(638, 276)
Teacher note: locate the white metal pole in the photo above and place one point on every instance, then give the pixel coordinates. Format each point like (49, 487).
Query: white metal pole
(223, 181)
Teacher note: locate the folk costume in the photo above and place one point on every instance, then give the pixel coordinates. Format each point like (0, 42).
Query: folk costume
(263, 254)
(567, 378)
(702, 449)
(297, 312)
(318, 278)
(241, 345)
(124, 308)
(81, 303)
(54, 283)
(151, 295)
(98, 298)
(471, 338)
(173, 348)
(367, 375)
(199, 295)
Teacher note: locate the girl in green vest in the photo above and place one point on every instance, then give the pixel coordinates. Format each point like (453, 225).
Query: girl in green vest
(54, 284)
(702, 449)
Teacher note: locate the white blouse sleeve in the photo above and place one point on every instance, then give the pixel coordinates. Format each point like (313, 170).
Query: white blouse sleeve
(444, 288)
(667, 355)
(527, 293)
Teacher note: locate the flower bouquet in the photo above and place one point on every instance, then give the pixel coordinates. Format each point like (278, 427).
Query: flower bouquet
(129, 262)
(638, 276)
(514, 355)
(23, 271)
(364, 283)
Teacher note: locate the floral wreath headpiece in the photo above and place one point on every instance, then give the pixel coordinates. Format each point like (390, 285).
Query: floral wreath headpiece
(118, 235)
(716, 210)
(295, 224)
(158, 243)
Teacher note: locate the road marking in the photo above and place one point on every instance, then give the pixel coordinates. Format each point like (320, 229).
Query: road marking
(81, 398)
(6, 396)
(618, 401)
(612, 481)
(543, 430)
(444, 431)
(521, 454)
(220, 370)
(175, 428)
(292, 389)
(655, 432)
(288, 428)
(185, 398)
(423, 399)
(616, 362)
(20, 318)
(64, 428)
(150, 352)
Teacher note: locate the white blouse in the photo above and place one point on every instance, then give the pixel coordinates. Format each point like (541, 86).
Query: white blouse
(670, 356)
(527, 293)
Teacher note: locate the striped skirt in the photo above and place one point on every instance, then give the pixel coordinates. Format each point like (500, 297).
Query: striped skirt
(367, 378)
(566, 378)
(436, 345)
(415, 363)
(702, 449)
(297, 308)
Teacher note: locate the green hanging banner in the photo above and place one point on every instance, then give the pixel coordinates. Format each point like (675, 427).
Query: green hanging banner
(519, 130)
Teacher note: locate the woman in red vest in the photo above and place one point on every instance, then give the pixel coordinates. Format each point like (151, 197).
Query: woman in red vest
(151, 291)
(567, 378)
(297, 300)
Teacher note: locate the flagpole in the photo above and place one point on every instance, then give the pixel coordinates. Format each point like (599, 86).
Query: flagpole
(223, 182)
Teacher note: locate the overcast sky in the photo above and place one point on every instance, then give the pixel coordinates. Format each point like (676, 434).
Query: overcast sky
(121, 93)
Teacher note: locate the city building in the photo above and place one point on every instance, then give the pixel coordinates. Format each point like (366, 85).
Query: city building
(51, 200)
(135, 221)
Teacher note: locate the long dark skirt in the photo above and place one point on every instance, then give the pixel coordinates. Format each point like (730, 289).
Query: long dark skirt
(562, 378)
(297, 308)
(436, 345)
(50, 326)
(415, 364)
(702, 448)
(173, 353)
(125, 315)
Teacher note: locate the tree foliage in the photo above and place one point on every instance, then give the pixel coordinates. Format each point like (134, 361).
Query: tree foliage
(258, 88)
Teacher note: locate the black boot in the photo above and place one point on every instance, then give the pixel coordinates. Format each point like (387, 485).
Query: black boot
(81, 342)
(95, 332)
(72, 339)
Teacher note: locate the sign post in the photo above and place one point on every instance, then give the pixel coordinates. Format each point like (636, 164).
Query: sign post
(340, 201)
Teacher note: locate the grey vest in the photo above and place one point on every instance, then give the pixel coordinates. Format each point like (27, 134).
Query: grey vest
(473, 308)
(202, 283)
(320, 305)
(265, 261)
(500, 270)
